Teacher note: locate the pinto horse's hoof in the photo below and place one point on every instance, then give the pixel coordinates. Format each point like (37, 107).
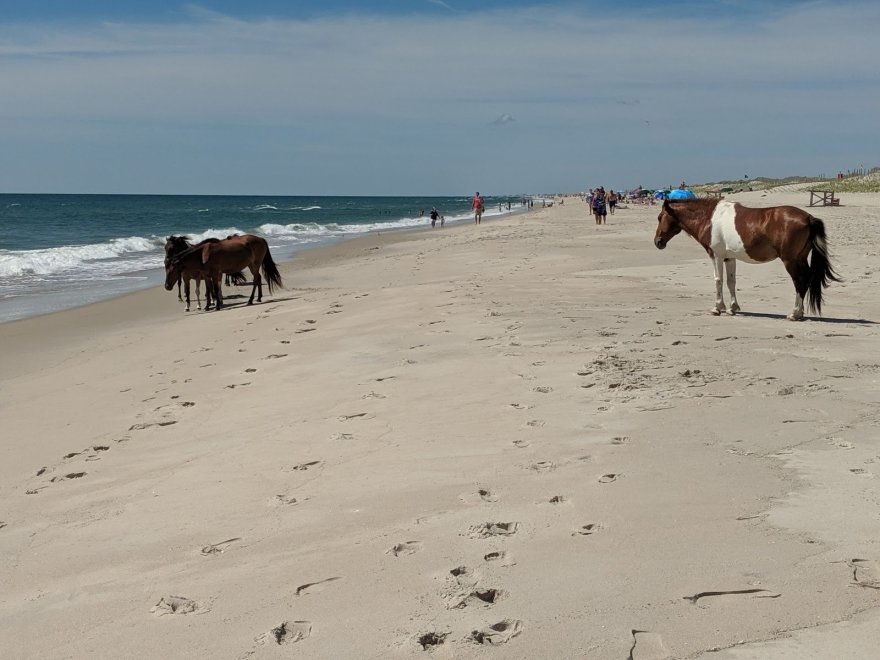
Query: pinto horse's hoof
(715, 311)
(795, 317)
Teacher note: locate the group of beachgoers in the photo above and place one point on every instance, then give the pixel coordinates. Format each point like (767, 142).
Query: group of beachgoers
(601, 203)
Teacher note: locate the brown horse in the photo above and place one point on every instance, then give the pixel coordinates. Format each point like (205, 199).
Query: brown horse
(229, 255)
(731, 232)
(175, 245)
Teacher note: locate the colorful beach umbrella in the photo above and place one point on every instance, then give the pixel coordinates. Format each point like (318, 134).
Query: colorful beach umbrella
(680, 193)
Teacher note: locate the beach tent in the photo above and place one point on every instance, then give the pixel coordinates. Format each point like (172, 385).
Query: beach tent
(679, 193)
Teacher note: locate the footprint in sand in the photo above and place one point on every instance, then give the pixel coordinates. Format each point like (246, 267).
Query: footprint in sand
(609, 478)
(177, 605)
(757, 593)
(487, 495)
(429, 640)
(250, 370)
(218, 548)
(620, 440)
(284, 500)
(535, 423)
(484, 597)
(346, 418)
(313, 587)
(543, 466)
(866, 572)
(648, 646)
(302, 467)
(502, 557)
(234, 385)
(498, 633)
(68, 476)
(522, 444)
(557, 499)
(486, 530)
(275, 356)
(587, 530)
(543, 389)
(405, 548)
(141, 427)
(465, 576)
(287, 632)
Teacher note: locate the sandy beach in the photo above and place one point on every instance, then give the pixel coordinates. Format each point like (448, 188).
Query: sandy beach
(527, 439)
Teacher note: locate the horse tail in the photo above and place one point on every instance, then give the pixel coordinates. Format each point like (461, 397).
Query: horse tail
(270, 272)
(237, 278)
(821, 272)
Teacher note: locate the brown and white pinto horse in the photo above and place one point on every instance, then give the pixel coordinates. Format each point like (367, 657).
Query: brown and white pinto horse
(229, 255)
(731, 232)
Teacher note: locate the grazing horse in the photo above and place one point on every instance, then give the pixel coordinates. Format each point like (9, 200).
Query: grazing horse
(231, 255)
(175, 245)
(731, 232)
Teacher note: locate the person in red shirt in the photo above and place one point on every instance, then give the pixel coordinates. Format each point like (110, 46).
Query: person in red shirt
(478, 206)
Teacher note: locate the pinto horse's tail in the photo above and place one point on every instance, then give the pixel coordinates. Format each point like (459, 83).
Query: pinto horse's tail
(270, 272)
(821, 271)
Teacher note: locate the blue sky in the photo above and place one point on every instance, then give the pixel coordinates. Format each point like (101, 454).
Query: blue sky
(430, 97)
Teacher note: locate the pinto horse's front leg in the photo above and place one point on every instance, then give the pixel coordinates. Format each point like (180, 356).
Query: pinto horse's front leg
(730, 266)
(718, 263)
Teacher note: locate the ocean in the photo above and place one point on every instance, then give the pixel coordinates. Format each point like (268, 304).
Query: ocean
(63, 251)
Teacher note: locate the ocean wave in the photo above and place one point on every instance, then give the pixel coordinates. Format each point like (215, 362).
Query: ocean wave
(50, 261)
(212, 233)
(264, 207)
(295, 230)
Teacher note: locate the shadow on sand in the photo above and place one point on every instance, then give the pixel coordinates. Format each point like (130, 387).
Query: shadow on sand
(820, 319)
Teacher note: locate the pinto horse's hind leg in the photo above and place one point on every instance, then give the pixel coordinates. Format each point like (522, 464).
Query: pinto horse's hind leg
(730, 266)
(719, 308)
(800, 276)
(199, 293)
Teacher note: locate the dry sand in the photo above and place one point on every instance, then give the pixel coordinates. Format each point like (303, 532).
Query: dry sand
(527, 439)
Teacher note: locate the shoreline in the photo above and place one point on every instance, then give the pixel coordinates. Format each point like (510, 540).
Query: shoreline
(117, 285)
(532, 423)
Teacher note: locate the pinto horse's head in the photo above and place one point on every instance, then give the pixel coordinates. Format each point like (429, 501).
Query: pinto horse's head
(667, 226)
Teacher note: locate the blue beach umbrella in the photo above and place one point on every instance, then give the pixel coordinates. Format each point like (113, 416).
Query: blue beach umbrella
(679, 193)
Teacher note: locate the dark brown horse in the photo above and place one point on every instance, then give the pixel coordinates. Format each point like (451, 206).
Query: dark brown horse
(230, 255)
(731, 232)
(175, 245)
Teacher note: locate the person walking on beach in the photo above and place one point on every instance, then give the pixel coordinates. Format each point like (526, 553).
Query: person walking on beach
(478, 207)
(612, 201)
(599, 208)
(434, 215)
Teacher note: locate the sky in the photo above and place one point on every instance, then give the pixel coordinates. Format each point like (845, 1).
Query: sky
(431, 97)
